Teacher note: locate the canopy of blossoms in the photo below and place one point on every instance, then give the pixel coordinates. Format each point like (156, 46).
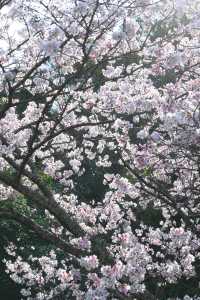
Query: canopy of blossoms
(101, 81)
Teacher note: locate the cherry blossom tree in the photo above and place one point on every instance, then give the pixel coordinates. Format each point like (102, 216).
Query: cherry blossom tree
(114, 84)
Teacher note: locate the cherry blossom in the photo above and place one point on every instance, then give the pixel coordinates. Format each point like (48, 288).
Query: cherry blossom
(109, 89)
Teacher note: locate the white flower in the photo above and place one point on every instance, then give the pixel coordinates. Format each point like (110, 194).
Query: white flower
(176, 59)
(142, 134)
(131, 27)
(180, 118)
(75, 163)
(118, 34)
(136, 119)
(89, 262)
(112, 72)
(155, 136)
(49, 47)
(64, 276)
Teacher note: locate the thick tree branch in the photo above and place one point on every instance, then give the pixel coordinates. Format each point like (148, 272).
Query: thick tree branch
(41, 232)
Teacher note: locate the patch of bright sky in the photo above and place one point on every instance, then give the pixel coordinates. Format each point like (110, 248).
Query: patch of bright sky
(14, 28)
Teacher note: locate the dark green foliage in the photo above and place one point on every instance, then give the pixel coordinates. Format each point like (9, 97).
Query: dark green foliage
(8, 289)
(150, 216)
